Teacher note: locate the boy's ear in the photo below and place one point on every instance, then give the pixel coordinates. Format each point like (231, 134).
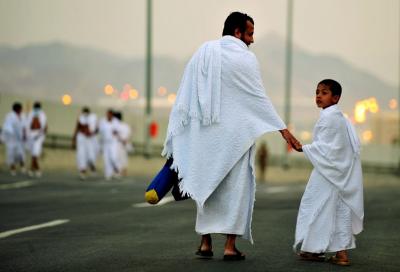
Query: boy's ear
(336, 98)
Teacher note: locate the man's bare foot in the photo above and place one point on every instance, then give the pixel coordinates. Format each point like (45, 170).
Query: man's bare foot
(205, 248)
(206, 243)
(231, 253)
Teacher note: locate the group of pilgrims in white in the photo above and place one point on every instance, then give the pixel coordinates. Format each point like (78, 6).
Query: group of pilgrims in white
(111, 137)
(24, 132)
(220, 111)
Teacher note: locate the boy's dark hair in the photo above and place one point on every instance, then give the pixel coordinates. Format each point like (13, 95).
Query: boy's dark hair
(17, 106)
(333, 85)
(37, 105)
(236, 20)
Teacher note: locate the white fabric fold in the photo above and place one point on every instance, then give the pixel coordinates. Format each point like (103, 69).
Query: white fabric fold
(199, 93)
(13, 127)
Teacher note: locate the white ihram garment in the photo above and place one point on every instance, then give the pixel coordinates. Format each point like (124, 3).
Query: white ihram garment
(331, 210)
(123, 144)
(93, 140)
(109, 144)
(12, 135)
(36, 137)
(220, 110)
(86, 146)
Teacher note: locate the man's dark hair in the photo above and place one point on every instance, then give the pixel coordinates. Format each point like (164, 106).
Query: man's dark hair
(118, 115)
(85, 110)
(17, 106)
(37, 105)
(236, 20)
(333, 85)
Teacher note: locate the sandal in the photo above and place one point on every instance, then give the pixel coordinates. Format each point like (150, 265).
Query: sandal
(239, 256)
(313, 257)
(338, 261)
(204, 254)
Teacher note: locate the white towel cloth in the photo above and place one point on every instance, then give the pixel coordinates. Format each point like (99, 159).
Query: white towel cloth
(221, 109)
(332, 209)
(36, 137)
(13, 136)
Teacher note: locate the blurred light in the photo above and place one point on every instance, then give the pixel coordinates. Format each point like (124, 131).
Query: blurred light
(171, 98)
(124, 95)
(359, 113)
(393, 104)
(364, 106)
(127, 87)
(162, 91)
(108, 89)
(66, 99)
(133, 94)
(305, 135)
(367, 136)
(373, 105)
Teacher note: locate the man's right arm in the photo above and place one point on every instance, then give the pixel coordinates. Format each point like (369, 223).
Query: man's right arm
(290, 139)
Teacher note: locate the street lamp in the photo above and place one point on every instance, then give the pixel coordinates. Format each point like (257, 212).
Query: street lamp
(147, 116)
(288, 74)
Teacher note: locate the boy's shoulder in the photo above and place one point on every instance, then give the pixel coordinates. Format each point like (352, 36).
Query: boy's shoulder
(333, 120)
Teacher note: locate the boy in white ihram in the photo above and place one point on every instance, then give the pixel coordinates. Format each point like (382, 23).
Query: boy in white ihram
(36, 132)
(331, 210)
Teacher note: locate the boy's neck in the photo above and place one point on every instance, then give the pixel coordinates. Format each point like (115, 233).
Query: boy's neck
(329, 106)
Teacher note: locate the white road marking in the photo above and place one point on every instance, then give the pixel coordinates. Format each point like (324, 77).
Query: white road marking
(163, 201)
(34, 227)
(17, 185)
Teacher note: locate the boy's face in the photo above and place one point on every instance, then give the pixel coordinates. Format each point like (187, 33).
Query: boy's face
(324, 97)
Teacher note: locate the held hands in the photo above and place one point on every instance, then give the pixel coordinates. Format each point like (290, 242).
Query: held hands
(290, 139)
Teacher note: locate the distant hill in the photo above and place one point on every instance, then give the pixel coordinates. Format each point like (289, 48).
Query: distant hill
(46, 71)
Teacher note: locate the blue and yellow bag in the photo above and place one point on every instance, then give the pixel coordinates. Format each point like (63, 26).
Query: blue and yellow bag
(161, 184)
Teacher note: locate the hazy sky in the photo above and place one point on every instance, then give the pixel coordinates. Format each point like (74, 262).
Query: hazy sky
(363, 32)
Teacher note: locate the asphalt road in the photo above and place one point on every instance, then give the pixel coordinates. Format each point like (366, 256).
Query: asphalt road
(105, 231)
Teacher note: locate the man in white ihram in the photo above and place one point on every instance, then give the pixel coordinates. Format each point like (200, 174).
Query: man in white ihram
(109, 135)
(220, 111)
(13, 134)
(36, 134)
(124, 145)
(85, 142)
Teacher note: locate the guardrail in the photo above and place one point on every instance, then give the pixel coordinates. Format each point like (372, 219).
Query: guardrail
(65, 142)
(58, 141)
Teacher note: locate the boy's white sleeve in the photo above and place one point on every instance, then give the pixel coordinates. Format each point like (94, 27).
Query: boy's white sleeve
(329, 155)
